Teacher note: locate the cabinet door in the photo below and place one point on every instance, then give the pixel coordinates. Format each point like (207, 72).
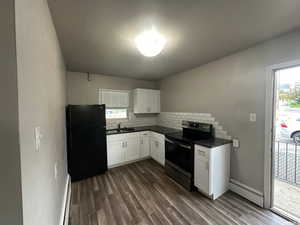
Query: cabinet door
(115, 152)
(154, 101)
(154, 149)
(132, 148)
(157, 101)
(146, 101)
(201, 171)
(114, 98)
(140, 101)
(144, 145)
(161, 147)
(157, 150)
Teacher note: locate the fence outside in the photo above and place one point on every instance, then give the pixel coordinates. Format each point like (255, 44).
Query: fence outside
(287, 161)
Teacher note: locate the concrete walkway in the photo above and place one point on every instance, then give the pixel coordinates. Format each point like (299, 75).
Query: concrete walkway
(287, 197)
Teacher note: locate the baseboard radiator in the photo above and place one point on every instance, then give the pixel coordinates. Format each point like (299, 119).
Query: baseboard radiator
(247, 192)
(64, 218)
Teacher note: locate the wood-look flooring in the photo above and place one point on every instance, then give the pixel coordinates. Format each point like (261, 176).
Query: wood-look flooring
(141, 193)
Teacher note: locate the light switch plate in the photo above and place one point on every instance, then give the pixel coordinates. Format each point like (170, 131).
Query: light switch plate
(235, 143)
(252, 117)
(37, 134)
(55, 171)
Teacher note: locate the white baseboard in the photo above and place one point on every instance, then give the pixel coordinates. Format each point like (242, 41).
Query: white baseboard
(247, 192)
(128, 162)
(64, 217)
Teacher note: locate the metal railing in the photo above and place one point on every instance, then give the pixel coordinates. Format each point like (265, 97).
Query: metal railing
(287, 161)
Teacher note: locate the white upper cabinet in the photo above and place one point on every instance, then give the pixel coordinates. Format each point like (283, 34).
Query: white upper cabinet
(146, 101)
(114, 98)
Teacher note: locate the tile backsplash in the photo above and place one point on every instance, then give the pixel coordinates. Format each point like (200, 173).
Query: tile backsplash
(168, 119)
(174, 119)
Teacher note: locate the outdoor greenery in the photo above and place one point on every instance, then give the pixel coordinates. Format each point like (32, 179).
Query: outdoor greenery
(291, 97)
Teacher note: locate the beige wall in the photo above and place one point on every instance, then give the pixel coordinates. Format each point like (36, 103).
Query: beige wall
(10, 172)
(82, 91)
(42, 98)
(231, 88)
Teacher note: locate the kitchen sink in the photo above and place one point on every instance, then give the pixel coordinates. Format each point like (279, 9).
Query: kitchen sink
(119, 131)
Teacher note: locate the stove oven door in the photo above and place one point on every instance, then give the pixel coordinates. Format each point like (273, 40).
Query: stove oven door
(180, 154)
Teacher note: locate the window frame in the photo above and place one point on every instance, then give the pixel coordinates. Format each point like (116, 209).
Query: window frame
(119, 118)
(101, 91)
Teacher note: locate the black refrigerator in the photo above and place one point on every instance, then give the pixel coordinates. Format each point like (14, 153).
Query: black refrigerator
(86, 141)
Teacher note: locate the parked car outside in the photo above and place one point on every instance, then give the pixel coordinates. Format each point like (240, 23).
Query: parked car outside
(288, 128)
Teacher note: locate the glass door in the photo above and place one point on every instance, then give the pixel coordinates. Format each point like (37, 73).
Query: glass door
(286, 143)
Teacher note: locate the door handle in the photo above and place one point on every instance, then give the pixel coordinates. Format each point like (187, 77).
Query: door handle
(181, 145)
(202, 153)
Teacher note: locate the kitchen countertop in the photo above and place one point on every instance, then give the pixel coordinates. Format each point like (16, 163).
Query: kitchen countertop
(157, 129)
(210, 143)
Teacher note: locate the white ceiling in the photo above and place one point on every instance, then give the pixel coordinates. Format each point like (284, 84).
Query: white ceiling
(97, 35)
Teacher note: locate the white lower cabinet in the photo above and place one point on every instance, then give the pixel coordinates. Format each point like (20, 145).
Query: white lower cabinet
(123, 148)
(212, 170)
(132, 150)
(115, 152)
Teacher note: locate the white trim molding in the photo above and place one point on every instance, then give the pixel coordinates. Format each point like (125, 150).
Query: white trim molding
(247, 192)
(64, 217)
(270, 95)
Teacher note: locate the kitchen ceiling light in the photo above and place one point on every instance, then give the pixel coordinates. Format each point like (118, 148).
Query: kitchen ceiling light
(150, 43)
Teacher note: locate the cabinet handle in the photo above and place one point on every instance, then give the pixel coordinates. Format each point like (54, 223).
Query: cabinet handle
(202, 153)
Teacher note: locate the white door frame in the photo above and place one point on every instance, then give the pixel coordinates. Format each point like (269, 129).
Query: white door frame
(269, 121)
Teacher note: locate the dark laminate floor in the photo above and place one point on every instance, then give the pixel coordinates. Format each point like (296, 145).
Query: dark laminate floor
(141, 193)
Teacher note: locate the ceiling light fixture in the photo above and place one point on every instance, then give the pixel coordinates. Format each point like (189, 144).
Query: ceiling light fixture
(150, 43)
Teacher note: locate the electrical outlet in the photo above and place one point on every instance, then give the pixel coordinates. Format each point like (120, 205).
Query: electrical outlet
(235, 143)
(55, 171)
(252, 117)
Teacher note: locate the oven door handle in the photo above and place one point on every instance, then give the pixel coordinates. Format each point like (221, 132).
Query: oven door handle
(168, 140)
(176, 143)
(185, 146)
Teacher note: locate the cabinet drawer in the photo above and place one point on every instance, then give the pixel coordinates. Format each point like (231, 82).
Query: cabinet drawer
(202, 153)
(202, 169)
(144, 133)
(161, 137)
(115, 137)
